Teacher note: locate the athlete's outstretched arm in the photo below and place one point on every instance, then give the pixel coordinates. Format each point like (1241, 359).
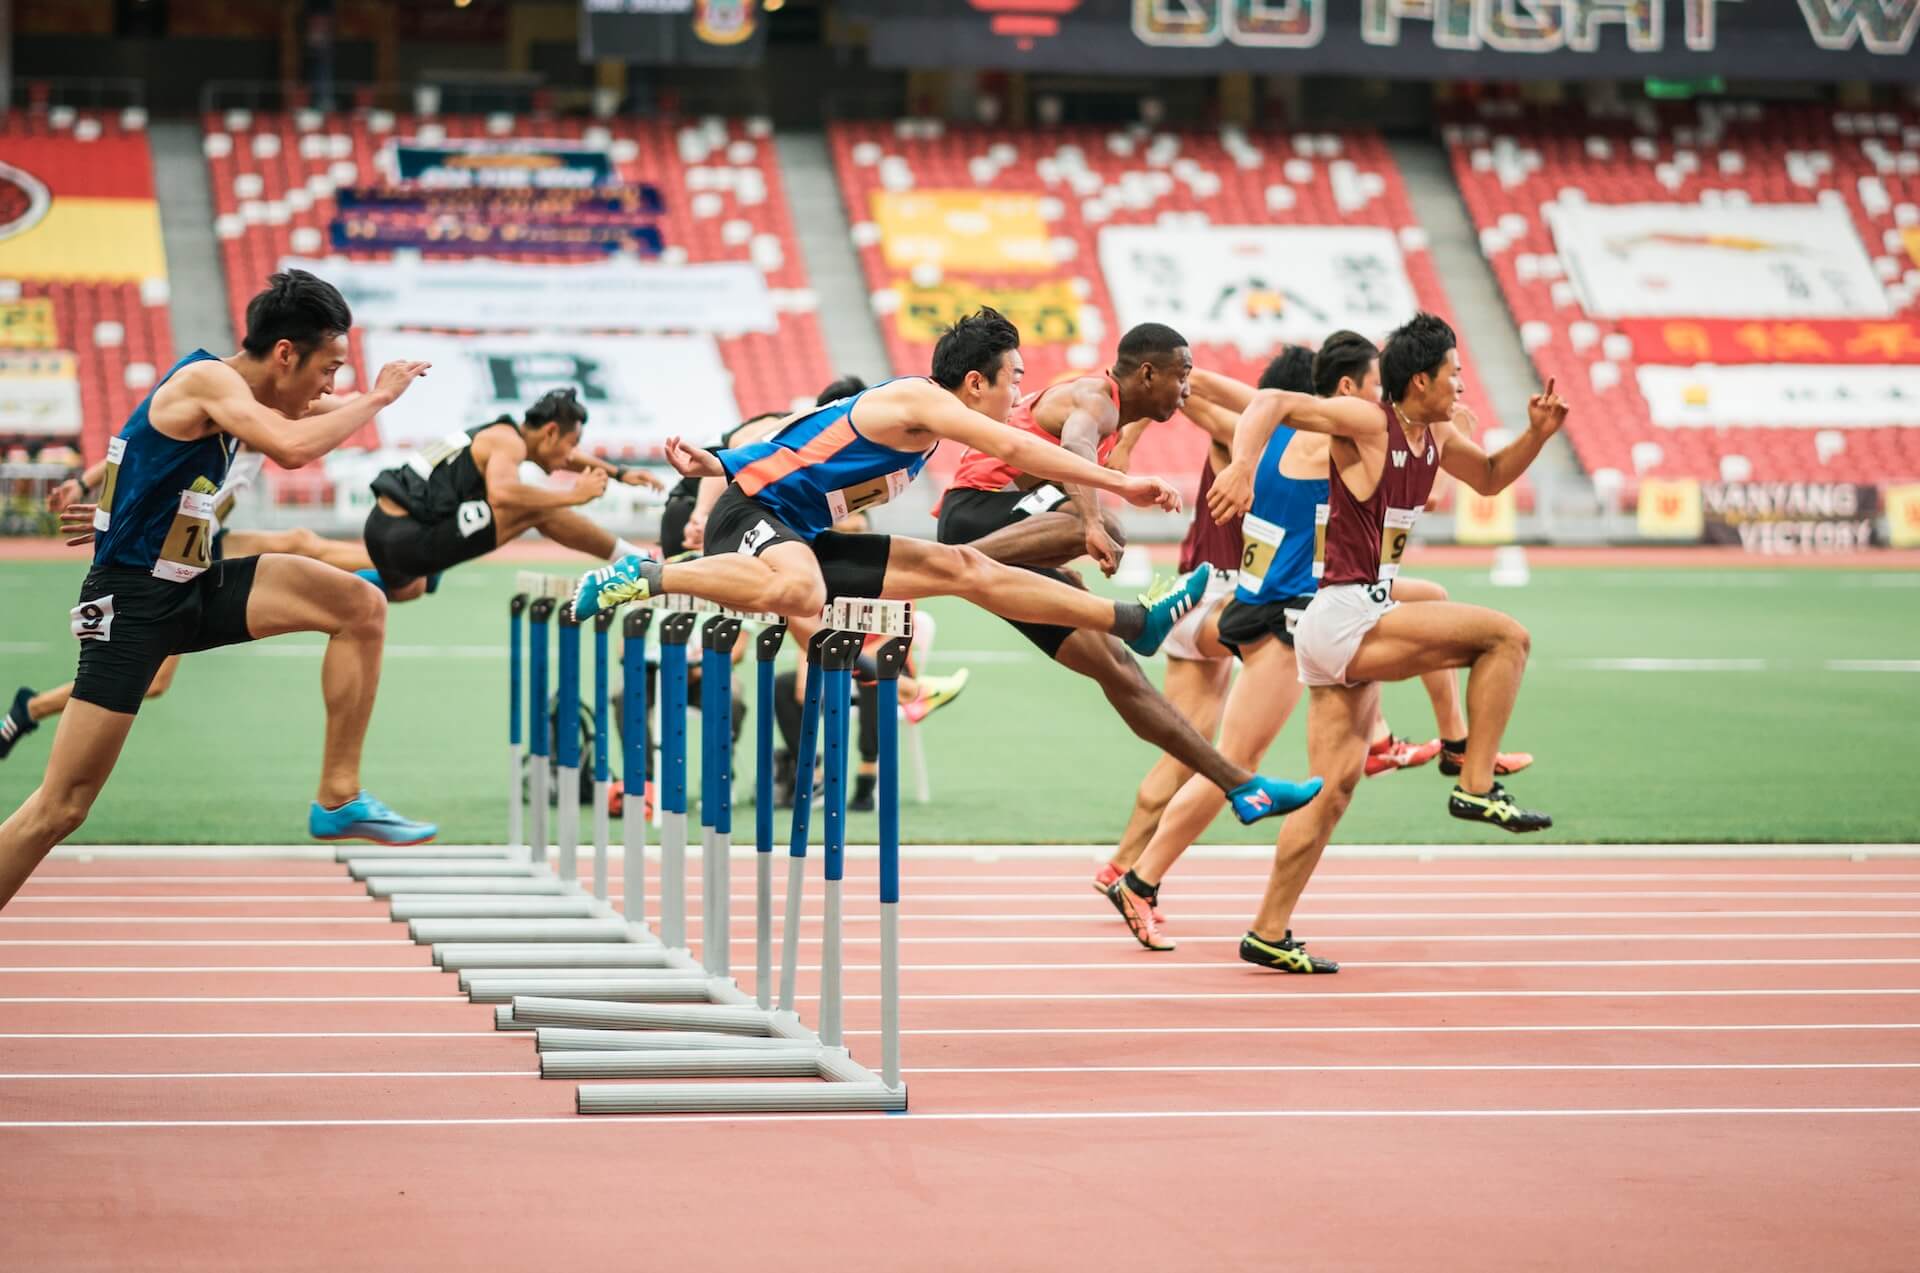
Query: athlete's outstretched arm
(581, 462)
(1220, 391)
(217, 392)
(1217, 422)
(1337, 417)
(505, 490)
(1232, 492)
(944, 415)
(1461, 456)
(1093, 417)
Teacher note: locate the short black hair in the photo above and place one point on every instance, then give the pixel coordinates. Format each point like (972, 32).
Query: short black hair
(298, 307)
(1421, 345)
(1290, 369)
(844, 387)
(1341, 355)
(1147, 342)
(558, 406)
(978, 342)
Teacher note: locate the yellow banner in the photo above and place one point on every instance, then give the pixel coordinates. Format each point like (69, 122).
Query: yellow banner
(96, 240)
(965, 230)
(1484, 519)
(1670, 508)
(27, 324)
(1046, 314)
(1903, 516)
(1912, 235)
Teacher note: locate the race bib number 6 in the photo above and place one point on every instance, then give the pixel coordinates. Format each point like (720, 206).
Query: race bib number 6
(1260, 541)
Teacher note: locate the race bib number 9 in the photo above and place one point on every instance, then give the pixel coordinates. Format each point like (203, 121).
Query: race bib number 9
(1393, 539)
(93, 620)
(1260, 540)
(1319, 540)
(188, 549)
(103, 511)
(849, 500)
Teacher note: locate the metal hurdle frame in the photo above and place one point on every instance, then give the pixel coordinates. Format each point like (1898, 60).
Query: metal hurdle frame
(580, 1038)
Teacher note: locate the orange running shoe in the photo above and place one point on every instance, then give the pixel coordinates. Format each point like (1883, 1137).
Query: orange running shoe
(1504, 763)
(1142, 919)
(1392, 753)
(1106, 877)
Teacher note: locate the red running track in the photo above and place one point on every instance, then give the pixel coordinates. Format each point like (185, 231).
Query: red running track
(244, 1065)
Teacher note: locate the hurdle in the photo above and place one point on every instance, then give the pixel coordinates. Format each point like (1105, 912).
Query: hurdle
(737, 1036)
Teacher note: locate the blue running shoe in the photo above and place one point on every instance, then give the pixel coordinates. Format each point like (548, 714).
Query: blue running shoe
(1165, 609)
(372, 576)
(609, 586)
(1260, 797)
(17, 723)
(364, 818)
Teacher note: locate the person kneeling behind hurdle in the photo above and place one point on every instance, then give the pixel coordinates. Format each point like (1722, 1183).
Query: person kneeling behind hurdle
(462, 497)
(770, 546)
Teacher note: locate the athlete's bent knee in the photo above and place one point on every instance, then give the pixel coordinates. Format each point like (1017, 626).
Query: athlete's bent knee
(61, 813)
(365, 610)
(796, 594)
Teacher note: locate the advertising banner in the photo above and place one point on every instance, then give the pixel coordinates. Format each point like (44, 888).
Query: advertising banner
(1775, 260)
(90, 222)
(722, 297)
(1484, 519)
(1781, 397)
(1670, 508)
(1903, 515)
(638, 390)
(1779, 518)
(1046, 314)
(1816, 40)
(1731, 341)
(965, 231)
(499, 163)
(1254, 287)
(385, 232)
(39, 394)
(538, 203)
(674, 32)
(27, 324)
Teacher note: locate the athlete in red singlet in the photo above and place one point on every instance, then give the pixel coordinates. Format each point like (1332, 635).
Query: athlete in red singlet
(1017, 519)
(1355, 635)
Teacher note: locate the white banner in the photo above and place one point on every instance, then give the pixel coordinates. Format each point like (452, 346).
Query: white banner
(723, 297)
(1779, 260)
(39, 394)
(638, 390)
(1257, 287)
(1782, 397)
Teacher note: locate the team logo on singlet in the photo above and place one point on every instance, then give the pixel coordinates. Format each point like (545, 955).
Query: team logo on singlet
(474, 516)
(23, 201)
(1399, 459)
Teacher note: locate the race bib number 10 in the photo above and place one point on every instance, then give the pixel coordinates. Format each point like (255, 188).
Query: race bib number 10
(188, 549)
(849, 500)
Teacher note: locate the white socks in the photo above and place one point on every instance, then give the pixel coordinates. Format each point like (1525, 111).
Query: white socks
(621, 548)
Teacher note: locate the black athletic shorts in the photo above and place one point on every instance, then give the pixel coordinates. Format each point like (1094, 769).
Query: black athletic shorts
(967, 515)
(673, 522)
(128, 622)
(852, 565)
(404, 549)
(1243, 624)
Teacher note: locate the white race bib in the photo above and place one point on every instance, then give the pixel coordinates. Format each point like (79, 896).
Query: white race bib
(849, 500)
(188, 549)
(1041, 499)
(93, 620)
(1260, 542)
(103, 510)
(1319, 540)
(1398, 528)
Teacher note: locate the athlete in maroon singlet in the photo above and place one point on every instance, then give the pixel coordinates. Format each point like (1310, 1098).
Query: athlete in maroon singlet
(1355, 635)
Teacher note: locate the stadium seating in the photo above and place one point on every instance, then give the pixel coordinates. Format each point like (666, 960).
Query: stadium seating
(1088, 177)
(1511, 165)
(117, 328)
(273, 177)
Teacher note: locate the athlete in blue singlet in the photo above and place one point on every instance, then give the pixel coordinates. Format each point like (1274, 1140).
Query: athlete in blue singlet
(156, 590)
(769, 546)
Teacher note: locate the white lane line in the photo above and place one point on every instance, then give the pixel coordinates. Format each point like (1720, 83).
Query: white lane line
(1873, 665)
(1492, 1068)
(1126, 961)
(1077, 996)
(1091, 916)
(1667, 665)
(518, 1040)
(983, 1116)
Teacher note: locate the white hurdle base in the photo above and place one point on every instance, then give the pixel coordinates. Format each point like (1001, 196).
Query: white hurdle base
(559, 1038)
(363, 868)
(664, 986)
(474, 906)
(459, 956)
(741, 1098)
(794, 1060)
(354, 852)
(466, 885)
(432, 932)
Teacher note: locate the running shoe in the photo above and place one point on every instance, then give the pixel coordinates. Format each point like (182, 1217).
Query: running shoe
(1504, 763)
(1166, 607)
(1262, 797)
(1392, 753)
(935, 692)
(365, 818)
(1285, 955)
(17, 723)
(1106, 877)
(1496, 809)
(1143, 920)
(609, 586)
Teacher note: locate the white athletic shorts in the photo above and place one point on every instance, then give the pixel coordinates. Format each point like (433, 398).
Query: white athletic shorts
(1334, 624)
(1184, 641)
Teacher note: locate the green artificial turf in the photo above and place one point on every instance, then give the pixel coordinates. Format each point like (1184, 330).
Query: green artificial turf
(1792, 751)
